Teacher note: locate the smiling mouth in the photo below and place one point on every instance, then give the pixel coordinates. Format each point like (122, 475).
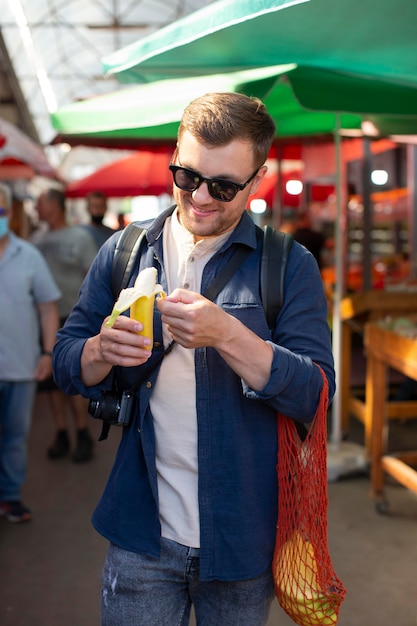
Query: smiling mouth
(201, 211)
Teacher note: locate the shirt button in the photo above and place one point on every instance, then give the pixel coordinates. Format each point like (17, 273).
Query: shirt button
(186, 285)
(157, 344)
(148, 385)
(191, 259)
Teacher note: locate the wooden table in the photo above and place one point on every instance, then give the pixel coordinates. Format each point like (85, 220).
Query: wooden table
(357, 310)
(386, 348)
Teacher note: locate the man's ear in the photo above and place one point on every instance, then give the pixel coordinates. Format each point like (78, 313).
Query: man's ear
(258, 179)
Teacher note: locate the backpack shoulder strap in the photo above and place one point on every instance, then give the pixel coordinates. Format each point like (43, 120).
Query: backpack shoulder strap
(275, 250)
(227, 272)
(125, 254)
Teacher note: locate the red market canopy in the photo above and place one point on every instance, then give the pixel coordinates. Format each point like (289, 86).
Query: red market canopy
(20, 157)
(273, 188)
(15, 169)
(142, 173)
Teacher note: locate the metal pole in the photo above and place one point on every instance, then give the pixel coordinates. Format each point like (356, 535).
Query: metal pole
(276, 213)
(339, 230)
(367, 214)
(412, 222)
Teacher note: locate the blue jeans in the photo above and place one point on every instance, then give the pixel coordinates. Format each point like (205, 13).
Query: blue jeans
(16, 404)
(143, 591)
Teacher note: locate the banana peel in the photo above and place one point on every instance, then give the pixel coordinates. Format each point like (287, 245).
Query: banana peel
(140, 300)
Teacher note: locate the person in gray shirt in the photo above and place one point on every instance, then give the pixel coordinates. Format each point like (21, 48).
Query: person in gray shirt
(29, 322)
(69, 252)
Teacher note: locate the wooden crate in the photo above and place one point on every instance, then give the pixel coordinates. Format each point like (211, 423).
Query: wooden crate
(387, 348)
(356, 311)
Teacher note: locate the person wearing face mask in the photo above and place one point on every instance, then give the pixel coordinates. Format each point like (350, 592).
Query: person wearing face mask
(29, 322)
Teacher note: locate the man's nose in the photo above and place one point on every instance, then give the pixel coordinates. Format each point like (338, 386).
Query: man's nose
(201, 194)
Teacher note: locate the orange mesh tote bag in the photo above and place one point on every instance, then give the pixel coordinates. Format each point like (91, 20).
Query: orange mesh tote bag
(306, 585)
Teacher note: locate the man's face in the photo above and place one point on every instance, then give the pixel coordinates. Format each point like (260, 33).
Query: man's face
(96, 206)
(44, 208)
(200, 213)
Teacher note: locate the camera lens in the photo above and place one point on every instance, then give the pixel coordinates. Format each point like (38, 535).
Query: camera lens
(105, 408)
(93, 407)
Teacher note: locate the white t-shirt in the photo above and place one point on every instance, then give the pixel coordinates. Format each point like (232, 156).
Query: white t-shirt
(173, 401)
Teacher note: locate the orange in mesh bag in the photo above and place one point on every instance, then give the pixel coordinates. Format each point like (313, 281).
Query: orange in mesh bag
(306, 585)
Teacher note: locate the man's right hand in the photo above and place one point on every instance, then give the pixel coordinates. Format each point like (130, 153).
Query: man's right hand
(119, 345)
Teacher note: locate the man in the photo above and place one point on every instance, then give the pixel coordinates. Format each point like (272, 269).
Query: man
(29, 321)
(190, 508)
(69, 252)
(97, 209)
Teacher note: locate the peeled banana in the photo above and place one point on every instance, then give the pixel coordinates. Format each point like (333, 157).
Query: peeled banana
(299, 591)
(140, 300)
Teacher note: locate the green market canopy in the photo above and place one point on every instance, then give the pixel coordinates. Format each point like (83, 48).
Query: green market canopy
(151, 112)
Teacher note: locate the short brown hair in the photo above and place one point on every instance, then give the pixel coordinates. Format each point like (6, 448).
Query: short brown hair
(56, 196)
(97, 194)
(219, 118)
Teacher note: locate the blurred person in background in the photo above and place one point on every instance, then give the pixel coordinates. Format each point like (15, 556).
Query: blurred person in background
(69, 252)
(29, 322)
(311, 239)
(121, 220)
(97, 209)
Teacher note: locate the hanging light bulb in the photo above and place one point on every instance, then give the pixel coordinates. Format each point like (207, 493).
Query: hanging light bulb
(294, 187)
(379, 177)
(258, 205)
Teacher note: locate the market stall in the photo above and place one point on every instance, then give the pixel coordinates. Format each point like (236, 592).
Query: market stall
(388, 343)
(356, 311)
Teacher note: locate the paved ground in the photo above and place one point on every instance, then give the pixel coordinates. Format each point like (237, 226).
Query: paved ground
(50, 568)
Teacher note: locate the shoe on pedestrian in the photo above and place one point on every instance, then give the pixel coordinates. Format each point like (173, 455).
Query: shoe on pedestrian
(84, 450)
(14, 511)
(60, 446)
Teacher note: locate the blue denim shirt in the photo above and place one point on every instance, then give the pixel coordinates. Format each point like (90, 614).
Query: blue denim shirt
(237, 427)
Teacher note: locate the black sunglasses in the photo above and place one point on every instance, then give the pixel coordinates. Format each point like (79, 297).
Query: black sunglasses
(219, 189)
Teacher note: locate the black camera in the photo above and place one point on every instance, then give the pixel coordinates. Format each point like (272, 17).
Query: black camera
(113, 409)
